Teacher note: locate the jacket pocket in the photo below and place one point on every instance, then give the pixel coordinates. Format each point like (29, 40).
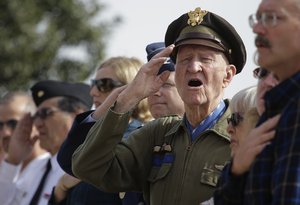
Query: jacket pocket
(210, 175)
(161, 171)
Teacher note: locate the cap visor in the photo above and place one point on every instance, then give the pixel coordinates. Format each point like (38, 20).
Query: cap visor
(201, 42)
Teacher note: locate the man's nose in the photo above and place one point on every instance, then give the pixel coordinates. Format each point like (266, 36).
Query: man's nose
(195, 66)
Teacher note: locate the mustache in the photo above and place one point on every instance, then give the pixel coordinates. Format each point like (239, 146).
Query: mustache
(262, 41)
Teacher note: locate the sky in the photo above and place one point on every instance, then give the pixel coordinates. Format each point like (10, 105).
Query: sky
(145, 22)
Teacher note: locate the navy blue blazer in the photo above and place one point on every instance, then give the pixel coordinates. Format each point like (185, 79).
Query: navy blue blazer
(84, 193)
(76, 137)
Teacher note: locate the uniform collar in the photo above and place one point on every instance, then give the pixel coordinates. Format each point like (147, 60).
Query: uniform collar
(220, 128)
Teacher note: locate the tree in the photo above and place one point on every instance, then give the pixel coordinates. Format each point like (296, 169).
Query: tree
(37, 36)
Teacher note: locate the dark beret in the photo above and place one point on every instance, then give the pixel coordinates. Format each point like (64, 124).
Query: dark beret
(205, 28)
(47, 89)
(154, 48)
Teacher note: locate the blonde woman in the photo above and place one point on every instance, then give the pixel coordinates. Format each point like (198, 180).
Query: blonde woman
(113, 73)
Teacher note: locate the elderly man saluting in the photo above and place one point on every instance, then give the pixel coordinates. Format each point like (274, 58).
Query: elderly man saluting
(172, 160)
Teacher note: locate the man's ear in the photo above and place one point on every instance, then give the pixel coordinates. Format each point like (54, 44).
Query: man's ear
(230, 72)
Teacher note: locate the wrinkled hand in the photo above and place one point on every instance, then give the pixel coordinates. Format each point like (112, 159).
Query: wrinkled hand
(65, 183)
(252, 145)
(145, 83)
(22, 141)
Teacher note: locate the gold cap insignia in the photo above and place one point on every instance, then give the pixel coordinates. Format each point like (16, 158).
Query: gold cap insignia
(40, 93)
(196, 17)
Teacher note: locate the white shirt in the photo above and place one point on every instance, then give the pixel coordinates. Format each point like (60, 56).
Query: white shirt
(18, 189)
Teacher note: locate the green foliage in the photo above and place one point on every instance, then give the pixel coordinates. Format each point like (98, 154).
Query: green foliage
(37, 35)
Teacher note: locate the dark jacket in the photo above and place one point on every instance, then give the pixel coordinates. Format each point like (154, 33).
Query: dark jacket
(84, 193)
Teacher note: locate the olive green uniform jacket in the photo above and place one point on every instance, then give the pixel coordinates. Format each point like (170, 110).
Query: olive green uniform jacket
(159, 159)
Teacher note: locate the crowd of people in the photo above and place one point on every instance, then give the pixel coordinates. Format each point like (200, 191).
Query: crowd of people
(161, 132)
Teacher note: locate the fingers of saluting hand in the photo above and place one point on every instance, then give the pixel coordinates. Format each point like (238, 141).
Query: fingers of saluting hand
(24, 128)
(165, 53)
(156, 62)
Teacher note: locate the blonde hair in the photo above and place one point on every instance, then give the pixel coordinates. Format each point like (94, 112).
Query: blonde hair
(126, 69)
(244, 102)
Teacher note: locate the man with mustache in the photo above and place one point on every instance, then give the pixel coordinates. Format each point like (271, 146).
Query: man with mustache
(274, 177)
(173, 160)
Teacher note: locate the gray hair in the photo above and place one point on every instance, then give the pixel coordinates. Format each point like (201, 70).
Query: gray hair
(9, 97)
(244, 100)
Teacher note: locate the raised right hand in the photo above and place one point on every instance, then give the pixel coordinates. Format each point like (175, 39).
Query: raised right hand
(22, 141)
(145, 83)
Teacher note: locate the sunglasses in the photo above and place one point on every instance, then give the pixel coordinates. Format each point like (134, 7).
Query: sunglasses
(10, 123)
(260, 73)
(234, 119)
(44, 113)
(105, 85)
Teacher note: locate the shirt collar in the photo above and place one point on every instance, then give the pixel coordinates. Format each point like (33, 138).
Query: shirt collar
(220, 127)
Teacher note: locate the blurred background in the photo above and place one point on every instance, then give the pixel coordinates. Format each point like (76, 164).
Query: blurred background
(66, 39)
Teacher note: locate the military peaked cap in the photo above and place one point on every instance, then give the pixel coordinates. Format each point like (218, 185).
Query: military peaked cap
(205, 28)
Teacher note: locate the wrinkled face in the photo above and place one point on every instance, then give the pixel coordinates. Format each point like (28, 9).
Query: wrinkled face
(201, 75)
(166, 101)
(53, 125)
(99, 96)
(278, 31)
(10, 114)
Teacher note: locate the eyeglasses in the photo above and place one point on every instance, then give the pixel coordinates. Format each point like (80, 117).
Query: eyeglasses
(44, 113)
(105, 84)
(267, 19)
(260, 73)
(234, 119)
(10, 123)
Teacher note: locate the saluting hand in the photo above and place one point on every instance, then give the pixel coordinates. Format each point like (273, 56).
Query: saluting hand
(22, 140)
(145, 83)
